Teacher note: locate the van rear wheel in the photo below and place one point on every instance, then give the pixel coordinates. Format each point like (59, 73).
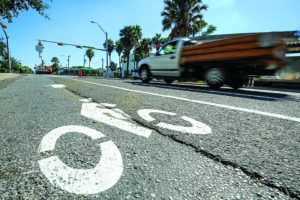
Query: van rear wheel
(215, 78)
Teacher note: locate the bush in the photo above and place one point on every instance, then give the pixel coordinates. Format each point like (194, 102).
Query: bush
(3, 70)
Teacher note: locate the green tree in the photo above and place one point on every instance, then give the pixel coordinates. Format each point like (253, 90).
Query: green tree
(138, 54)
(3, 49)
(111, 47)
(119, 49)
(203, 28)
(15, 64)
(12, 8)
(55, 60)
(55, 64)
(182, 17)
(129, 37)
(157, 41)
(90, 54)
(146, 46)
(113, 66)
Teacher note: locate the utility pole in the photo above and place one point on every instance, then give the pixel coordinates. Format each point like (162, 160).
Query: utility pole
(7, 46)
(84, 60)
(106, 42)
(102, 63)
(69, 62)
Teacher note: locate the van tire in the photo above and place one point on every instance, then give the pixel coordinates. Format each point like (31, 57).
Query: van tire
(145, 74)
(215, 78)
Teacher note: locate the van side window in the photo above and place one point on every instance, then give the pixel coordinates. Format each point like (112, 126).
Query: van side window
(169, 48)
(189, 43)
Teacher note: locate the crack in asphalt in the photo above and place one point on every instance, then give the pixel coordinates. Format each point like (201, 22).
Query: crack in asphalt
(217, 158)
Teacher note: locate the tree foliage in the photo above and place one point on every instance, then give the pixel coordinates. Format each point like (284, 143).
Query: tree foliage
(111, 47)
(90, 54)
(55, 64)
(3, 50)
(113, 66)
(158, 41)
(183, 17)
(55, 60)
(129, 38)
(12, 8)
(119, 49)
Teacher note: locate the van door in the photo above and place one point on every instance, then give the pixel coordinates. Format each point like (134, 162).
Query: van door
(166, 61)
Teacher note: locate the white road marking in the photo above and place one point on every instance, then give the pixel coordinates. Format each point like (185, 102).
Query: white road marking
(86, 100)
(247, 110)
(82, 181)
(58, 86)
(271, 91)
(145, 114)
(196, 128)
(108, 105)
(112, 118)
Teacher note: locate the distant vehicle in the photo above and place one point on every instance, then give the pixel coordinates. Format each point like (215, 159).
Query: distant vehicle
(228, 61)
(43, 70)
(135, 74)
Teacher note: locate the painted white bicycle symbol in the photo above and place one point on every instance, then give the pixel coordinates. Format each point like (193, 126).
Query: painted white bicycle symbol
(108, 171)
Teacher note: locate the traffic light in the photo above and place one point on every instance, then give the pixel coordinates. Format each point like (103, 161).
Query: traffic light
(60, 44)
(78, 46)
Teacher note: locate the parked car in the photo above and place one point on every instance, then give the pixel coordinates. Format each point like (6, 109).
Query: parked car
(135, 74)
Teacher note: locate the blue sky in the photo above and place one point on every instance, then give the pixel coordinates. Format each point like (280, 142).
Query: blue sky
(70, 22)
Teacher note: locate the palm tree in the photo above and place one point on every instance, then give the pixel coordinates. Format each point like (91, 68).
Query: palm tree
(200, 26)
(146, 46)
(111, 47)
(55, 64)
(119, 49)
(90, 54)
(182, 17)
(55, 60)
(129, 38)
(157, 41)
(138, 54)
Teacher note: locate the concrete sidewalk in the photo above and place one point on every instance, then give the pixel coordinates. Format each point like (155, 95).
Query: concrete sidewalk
(7, 76)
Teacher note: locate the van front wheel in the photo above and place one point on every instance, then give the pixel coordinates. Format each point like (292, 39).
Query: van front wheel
(145, 75)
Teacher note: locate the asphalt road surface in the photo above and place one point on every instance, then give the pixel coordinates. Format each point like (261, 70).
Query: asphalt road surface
(90, 138)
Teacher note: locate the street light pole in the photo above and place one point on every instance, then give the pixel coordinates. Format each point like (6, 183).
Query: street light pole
(84, 60)
(7, 46)
(69, 62)
(106, 42)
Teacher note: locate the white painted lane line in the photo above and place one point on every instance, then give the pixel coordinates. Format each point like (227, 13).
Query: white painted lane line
(271, 91)
(220, 92)
(279, 116)
(103, 176)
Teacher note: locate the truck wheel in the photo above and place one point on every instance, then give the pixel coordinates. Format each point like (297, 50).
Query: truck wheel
(145, 75)
(169, 81)
(236, 82)
(215, 78)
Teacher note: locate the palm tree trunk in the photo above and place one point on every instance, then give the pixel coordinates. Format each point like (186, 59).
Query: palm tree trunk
(89, 63)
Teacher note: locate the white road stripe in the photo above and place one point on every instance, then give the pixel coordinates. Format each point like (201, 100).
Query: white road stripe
(279, 116)
(222, 92)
